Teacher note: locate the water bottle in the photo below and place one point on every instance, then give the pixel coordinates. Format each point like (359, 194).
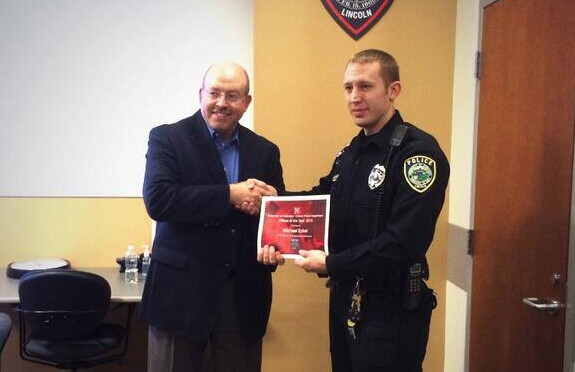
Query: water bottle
(145, 261)
(131, 262)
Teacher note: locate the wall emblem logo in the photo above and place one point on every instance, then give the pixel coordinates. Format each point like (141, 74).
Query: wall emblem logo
(356, 17)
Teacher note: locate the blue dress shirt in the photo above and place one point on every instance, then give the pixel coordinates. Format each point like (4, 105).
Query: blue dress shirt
(229, 153)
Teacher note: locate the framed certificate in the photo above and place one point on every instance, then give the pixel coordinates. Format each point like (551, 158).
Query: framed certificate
(291, 223)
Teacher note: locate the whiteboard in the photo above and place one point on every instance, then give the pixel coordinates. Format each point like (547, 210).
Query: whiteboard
(82, 82)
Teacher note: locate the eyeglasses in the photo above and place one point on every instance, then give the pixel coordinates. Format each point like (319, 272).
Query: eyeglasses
(231, 96)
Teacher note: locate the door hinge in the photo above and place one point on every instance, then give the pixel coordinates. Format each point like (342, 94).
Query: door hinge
(470, 242)
(478, 65)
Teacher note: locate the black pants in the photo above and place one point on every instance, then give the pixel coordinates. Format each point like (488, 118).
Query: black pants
(388, 338)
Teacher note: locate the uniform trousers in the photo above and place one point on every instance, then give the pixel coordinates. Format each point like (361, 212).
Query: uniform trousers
(225, 350)
(387, 338)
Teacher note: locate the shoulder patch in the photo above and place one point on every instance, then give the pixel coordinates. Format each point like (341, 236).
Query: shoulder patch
(420, 172)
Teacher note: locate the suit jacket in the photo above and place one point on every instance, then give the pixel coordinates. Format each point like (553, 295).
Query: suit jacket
(200, 238)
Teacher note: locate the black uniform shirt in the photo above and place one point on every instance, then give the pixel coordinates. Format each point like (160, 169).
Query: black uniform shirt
(410, 199)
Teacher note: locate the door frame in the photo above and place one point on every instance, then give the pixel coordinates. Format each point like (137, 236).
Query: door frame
(569, 341)
(486, 3)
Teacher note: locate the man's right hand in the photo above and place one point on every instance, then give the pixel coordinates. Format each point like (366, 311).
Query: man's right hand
(268, 255)
(247, 195)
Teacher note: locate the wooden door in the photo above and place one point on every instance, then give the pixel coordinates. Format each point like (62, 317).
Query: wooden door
(523, 184)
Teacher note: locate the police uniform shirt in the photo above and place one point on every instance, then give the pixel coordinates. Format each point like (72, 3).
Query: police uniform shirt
(409, 187)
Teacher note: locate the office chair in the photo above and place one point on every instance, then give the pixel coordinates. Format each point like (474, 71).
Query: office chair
(5, 328)
(61, 316)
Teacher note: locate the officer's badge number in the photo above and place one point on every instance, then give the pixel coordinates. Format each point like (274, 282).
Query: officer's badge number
(420, 172)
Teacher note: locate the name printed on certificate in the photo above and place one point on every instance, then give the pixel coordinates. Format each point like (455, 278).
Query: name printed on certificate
(291, 223)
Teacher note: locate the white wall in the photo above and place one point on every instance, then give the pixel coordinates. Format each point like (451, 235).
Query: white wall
(82, 82)
(461, 189)
(461, 181)
(455, 329)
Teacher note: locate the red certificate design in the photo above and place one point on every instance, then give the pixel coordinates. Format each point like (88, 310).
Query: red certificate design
(291, 223)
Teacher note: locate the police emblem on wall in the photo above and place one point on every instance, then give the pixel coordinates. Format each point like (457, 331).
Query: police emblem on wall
(356, 17)
(420, 172)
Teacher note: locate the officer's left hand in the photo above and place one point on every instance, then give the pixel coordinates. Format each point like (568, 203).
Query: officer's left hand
(312, 261)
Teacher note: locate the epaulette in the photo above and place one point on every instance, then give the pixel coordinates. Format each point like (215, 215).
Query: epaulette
(340, 153)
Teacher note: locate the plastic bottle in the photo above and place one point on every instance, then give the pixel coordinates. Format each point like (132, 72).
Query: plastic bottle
(131, 262)
(145, 261)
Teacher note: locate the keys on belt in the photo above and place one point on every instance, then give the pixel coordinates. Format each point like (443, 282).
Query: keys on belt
(354, 315)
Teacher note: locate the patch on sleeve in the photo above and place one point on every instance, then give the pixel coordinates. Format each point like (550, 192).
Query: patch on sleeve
(420, 172)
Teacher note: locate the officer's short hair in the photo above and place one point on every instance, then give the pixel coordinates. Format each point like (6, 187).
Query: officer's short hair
(389, 69)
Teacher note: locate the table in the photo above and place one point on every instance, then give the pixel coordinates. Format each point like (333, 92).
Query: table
(121, 291)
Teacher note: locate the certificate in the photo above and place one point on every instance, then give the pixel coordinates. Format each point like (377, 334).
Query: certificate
(291, 223)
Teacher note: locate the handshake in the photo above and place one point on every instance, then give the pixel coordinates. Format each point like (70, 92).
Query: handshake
(247, 195)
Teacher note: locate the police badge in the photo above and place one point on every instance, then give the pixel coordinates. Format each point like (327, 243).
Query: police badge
(419, 172)
(376, 177)
(356, 17)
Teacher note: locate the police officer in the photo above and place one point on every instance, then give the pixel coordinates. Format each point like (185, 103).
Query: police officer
(387, 189)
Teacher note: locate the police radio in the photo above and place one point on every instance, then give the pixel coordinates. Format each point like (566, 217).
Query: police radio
(412, 293)
(394, 142)
(411, 298)
(397, 135)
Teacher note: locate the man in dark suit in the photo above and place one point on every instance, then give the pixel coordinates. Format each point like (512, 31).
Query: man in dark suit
(205, 176)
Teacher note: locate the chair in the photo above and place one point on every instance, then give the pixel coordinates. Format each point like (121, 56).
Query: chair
(5, 328)
(61, 316)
